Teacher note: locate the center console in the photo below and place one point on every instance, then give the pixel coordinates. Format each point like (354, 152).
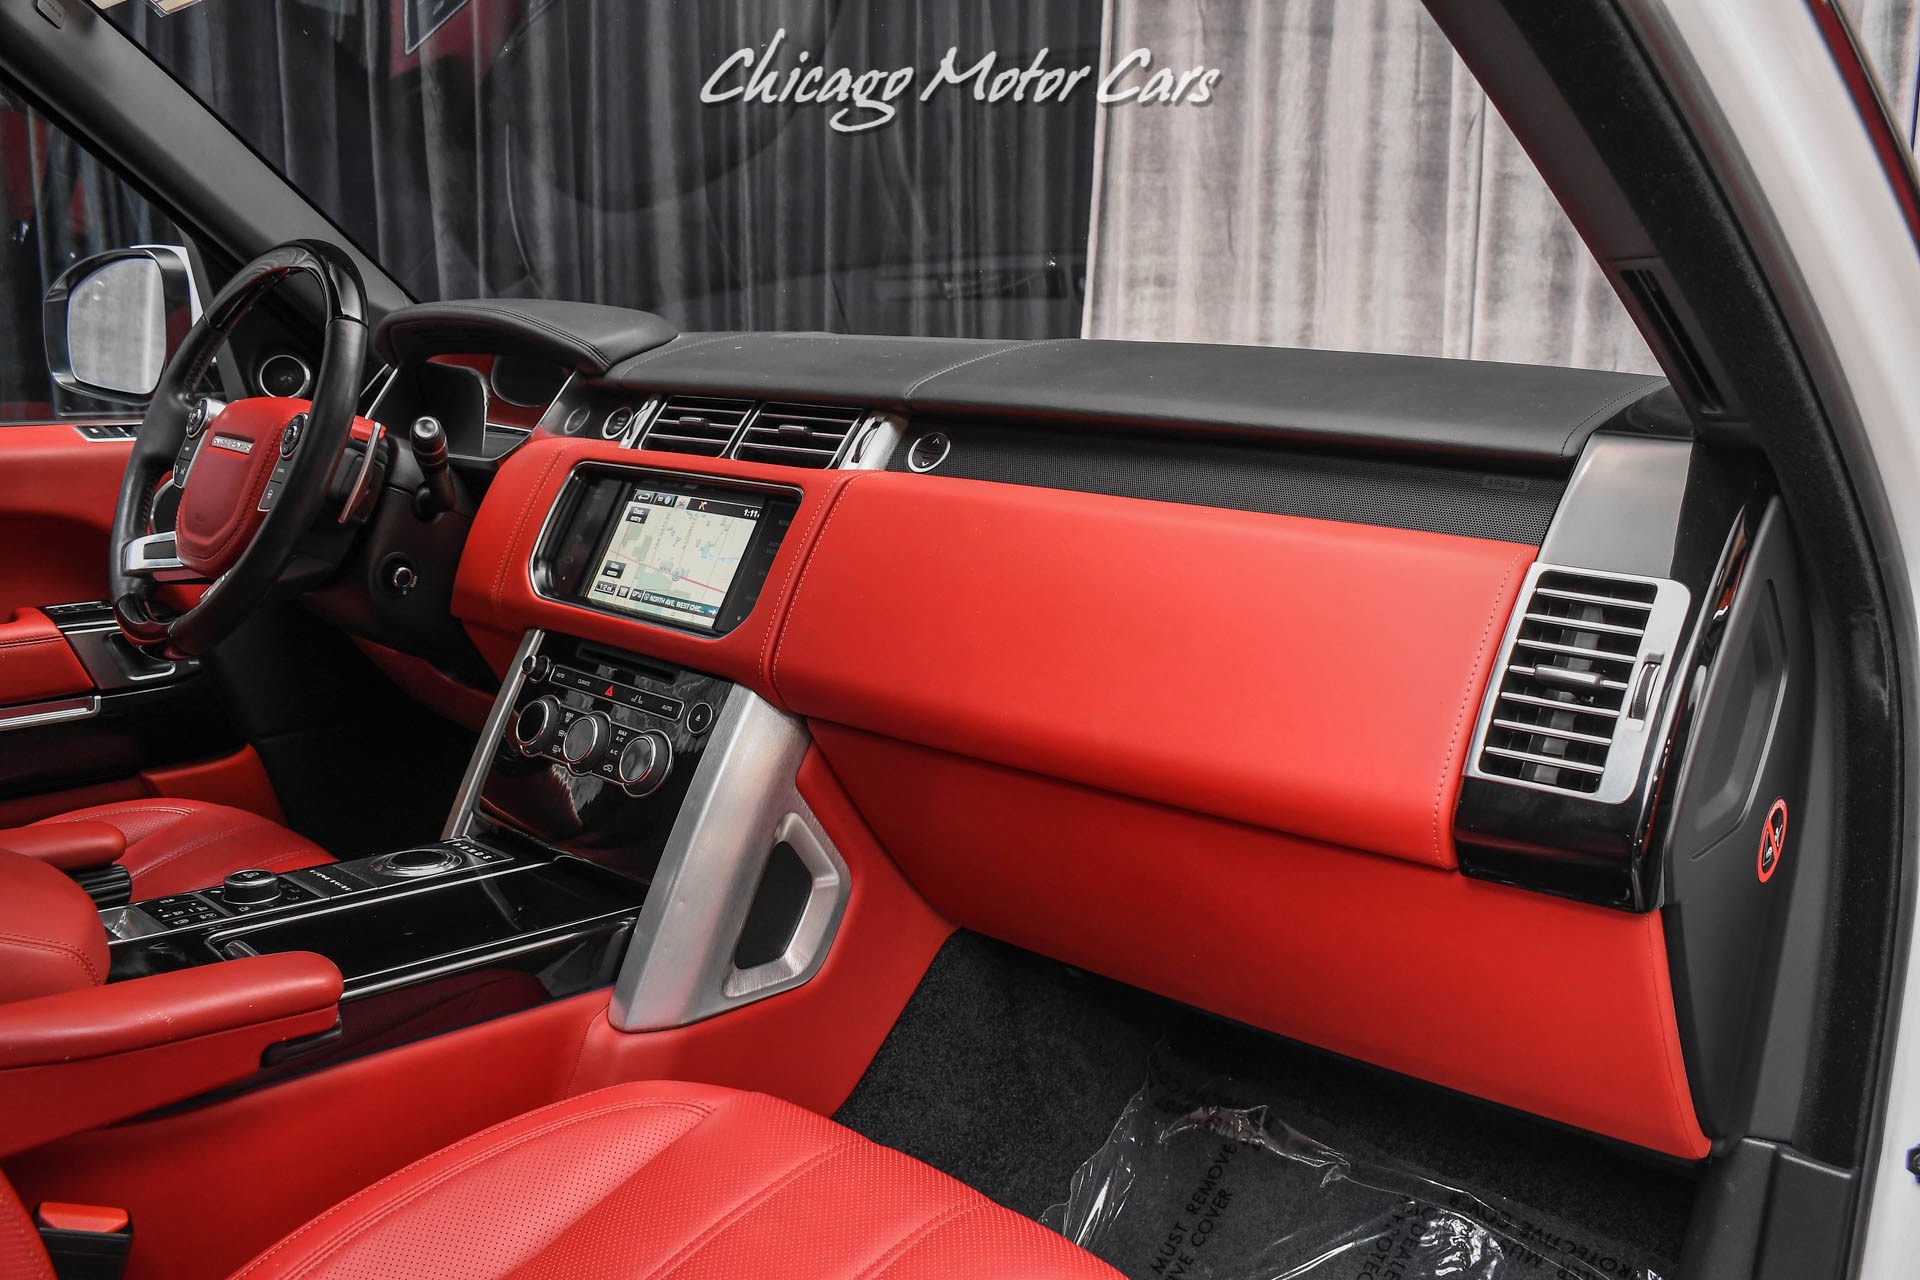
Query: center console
(623, 820)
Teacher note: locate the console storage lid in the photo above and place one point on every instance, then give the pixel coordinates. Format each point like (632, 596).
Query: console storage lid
(76, 1060)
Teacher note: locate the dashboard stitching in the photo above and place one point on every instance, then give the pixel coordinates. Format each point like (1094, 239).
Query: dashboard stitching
(974, 359)
(1466, 698)
(1607, 409)
(519, 527)
(668, 348)
(803, 554)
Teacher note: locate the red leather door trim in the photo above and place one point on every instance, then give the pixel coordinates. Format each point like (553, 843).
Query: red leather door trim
(36, 662)
(1550, 1006)
(1302, 675)
(58, 498)
(494, 595)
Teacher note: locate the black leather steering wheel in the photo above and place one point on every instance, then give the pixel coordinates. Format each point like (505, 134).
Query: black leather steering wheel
(253, 474)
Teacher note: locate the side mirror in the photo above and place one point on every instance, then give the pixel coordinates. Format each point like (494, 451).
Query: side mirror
(113, 320)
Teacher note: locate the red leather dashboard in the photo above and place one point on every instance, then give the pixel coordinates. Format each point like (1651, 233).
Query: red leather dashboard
(1210, 753)
(1310, 677)
(493, 593)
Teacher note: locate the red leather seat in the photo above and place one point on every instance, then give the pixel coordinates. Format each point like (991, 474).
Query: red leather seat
(663, 1178)
(174, 846)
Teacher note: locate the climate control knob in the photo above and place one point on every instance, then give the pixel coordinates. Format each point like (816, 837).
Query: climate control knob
(644, 763)
(537, 728)
(586, 740)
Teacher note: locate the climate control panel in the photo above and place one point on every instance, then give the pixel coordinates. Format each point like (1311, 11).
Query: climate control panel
(601, 714)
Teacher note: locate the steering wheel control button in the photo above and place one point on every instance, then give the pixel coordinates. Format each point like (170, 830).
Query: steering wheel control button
(586, 740)
(536, 730)
(700, 717)
(410, 863)
(203, 412)
(644, 763)
(291, 433)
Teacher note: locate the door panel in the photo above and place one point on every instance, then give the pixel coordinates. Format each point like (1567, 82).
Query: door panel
(56, 511)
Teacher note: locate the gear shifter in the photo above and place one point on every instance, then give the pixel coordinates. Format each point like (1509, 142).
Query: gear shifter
(429, 441)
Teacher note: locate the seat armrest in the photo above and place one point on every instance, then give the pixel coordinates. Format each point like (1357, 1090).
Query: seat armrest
(81, 1059)
(67, 845)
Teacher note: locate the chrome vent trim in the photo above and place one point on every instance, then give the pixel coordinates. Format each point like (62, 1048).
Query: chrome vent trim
(703, 425)
(798, 435)
(1578, 683)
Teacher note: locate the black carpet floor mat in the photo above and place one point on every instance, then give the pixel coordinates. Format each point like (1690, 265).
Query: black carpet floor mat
(1007, 1071)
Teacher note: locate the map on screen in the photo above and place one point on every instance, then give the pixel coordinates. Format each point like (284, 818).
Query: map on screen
(673, 556)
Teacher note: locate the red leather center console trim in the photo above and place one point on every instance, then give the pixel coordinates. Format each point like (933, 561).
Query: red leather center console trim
(887, 939)
(282, 1155)
(1550, 1006)
(69, 845)
(84, 1058)
(1302, 675)
(51, 939)
(494, 593)
(36, 662)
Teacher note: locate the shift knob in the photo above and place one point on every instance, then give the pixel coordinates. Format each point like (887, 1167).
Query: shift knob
(429, 441)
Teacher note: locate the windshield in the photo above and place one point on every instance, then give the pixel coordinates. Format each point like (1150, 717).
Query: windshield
(1222, 171)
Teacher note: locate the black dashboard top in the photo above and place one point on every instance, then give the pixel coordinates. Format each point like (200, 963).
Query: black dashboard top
(1476, 412)
(1466, 409)
(583, 336)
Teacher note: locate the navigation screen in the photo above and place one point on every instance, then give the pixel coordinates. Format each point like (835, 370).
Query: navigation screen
(673, 556)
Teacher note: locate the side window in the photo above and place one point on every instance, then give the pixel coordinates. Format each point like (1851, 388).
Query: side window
(62, 204)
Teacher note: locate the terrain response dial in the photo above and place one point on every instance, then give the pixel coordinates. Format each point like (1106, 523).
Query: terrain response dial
(250, 888)
(537, 728)
(644, 763)
(586, 740)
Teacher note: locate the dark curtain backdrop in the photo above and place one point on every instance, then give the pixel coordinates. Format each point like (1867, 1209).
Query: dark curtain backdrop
(61, 205)
(560, 148)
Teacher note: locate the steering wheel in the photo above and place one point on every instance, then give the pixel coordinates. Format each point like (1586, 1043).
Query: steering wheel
(253, 475)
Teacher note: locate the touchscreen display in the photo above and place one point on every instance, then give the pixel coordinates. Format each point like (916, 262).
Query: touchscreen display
(673, 556)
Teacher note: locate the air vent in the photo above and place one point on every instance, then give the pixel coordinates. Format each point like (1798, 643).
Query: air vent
(1573, 672)
(697, 424)
(798, 435)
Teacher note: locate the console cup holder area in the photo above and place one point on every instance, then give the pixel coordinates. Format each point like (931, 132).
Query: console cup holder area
(529, 917)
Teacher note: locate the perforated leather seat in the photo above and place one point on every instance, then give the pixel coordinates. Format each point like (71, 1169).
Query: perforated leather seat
(174, 846)
(659, 1179)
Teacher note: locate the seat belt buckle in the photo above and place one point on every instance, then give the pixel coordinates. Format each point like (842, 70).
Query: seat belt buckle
(85, 1241)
